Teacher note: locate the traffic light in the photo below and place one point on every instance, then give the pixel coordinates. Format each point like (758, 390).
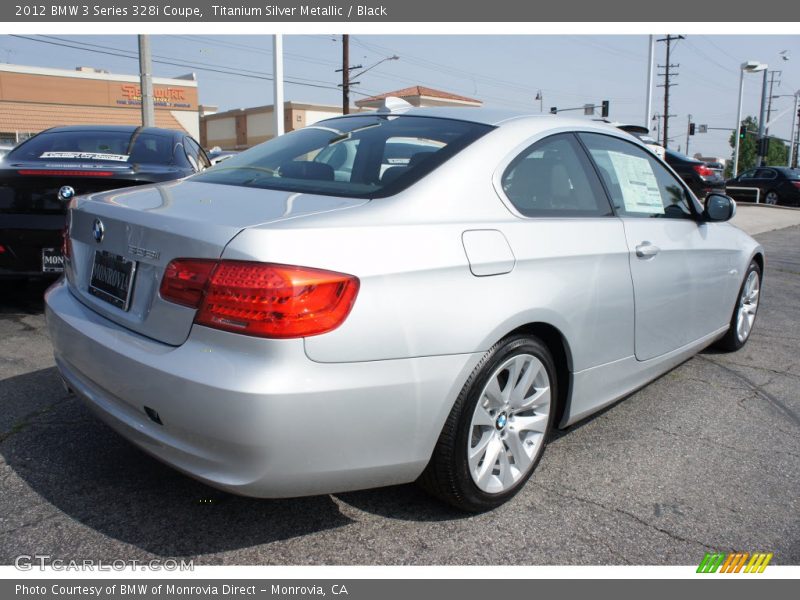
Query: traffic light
(691, 128)
(742, 132)
(553, 110)
(604, 111)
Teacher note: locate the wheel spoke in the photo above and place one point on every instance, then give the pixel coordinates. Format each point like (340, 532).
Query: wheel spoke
(482, 417)
(513, 374)
(537, 423)
(538, 401)
(493, 392)
(507, 476)
(531, 371)
(478, 452)
(493, 450)
(521, 457)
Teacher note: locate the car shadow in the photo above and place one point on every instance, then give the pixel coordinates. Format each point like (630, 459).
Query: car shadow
(23, 296)
(82, 468)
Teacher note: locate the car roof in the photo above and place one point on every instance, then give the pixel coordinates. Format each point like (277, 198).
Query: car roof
(496, 117)
(130, 129)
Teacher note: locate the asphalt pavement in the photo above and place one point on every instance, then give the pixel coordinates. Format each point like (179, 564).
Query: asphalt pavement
(705, 458)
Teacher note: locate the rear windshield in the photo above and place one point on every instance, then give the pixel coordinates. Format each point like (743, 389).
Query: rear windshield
(371, 156)
(105, 146)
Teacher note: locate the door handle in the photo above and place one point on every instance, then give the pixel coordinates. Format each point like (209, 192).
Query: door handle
(647, 250)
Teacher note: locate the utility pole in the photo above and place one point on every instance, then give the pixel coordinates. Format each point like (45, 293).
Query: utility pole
(277, 82)
(795, 129)
(762, 120)
(651, 48)
(146, 82)
(772, 75)
(688, 133)
(345, 74)
(667, 82)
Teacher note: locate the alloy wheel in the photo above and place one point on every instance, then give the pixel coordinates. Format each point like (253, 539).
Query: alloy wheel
(771, 198)
(748, 305)
(509, 423)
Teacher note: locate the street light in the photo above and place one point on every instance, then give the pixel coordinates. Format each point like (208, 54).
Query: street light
(751, 66)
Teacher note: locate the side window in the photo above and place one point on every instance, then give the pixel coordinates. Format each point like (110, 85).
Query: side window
(751, 174)
(554, 178)
(766, 174)
(639, 186)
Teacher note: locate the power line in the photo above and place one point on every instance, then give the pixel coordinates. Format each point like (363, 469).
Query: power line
(221, 69)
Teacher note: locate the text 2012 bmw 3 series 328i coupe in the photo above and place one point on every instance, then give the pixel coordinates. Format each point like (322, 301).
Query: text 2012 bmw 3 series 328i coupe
(417, 294)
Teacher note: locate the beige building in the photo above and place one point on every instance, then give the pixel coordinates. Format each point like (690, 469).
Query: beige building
(243, 128)
(36, 98)
(418, 95)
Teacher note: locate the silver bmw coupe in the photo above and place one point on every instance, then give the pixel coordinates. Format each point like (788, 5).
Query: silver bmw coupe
(410, 294)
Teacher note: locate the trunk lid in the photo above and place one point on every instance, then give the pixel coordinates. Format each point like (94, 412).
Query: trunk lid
(154, 224)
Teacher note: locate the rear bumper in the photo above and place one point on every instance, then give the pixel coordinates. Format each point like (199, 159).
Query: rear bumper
(22, 238)
(252, 416)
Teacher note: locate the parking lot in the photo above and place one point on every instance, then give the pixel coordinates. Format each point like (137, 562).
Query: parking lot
(705, 458)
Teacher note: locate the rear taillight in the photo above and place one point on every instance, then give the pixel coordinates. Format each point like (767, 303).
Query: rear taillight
(703, 170)
(62, 173)
(260, 299)
(796, 184)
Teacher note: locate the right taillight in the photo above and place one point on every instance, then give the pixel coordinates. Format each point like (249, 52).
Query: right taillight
(260, 299)
(796, 184)
(703, 170)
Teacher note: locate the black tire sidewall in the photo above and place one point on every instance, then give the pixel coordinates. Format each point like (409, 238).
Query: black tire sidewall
(731, 341)
(474, 496)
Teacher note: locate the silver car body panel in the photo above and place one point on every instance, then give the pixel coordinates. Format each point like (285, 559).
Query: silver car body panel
(447, 268)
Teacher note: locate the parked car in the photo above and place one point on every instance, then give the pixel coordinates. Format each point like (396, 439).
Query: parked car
(39, 176)
(776, 185)
(643, 135)
(274, 330)
(700, 178)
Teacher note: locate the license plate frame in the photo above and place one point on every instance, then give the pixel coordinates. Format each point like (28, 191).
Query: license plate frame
(48, 254)
(112, 278)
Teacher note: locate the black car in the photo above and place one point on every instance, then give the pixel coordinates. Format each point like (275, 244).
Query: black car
(776, 185)
(38, 177)
(700, 178)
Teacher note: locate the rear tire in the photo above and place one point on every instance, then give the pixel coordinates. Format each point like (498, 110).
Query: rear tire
(771, 198)
(745, 311)
(497, 429)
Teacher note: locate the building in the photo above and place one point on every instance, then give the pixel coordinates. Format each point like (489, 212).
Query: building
(36, 98)
(418, 95)
(243, 128)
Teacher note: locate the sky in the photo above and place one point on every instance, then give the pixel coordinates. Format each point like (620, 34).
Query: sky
(501, 70)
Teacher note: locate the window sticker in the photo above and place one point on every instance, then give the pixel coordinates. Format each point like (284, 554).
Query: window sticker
(638, 184)
(86, 156)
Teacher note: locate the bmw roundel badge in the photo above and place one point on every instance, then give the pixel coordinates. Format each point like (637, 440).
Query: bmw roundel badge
(98, 231)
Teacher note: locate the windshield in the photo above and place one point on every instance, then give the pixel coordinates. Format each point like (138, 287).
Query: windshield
(120, 147)
(371, 156)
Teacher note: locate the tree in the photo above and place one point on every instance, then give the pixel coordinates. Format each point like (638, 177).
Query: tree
(777, 154)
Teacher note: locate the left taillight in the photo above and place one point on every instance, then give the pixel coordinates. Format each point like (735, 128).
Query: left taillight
(260, 299)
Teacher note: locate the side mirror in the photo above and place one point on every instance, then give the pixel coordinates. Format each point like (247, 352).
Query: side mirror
(719, 208)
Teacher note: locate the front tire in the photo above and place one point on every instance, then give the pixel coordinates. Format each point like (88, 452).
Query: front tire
(744, 314)
(498, 428)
